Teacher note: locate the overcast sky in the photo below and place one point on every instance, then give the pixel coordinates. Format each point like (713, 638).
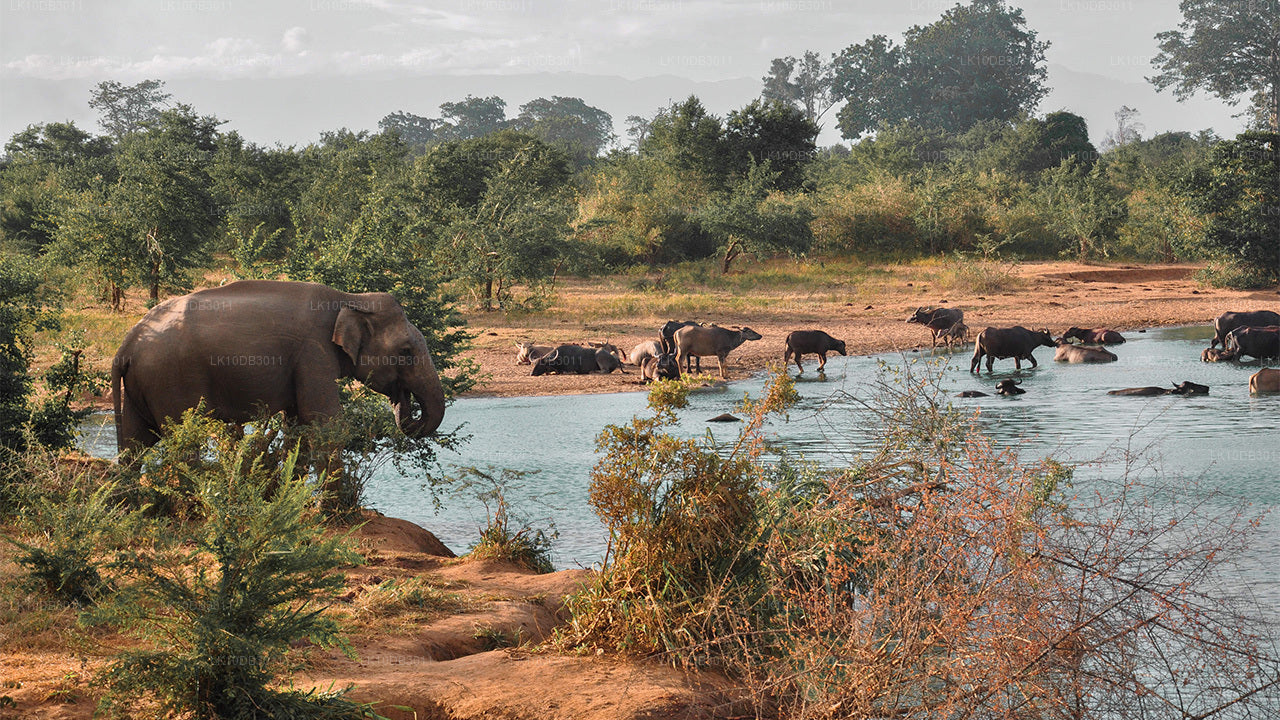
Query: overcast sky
(282, 71)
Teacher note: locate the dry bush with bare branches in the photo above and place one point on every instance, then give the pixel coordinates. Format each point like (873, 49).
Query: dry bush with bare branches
(938, 577)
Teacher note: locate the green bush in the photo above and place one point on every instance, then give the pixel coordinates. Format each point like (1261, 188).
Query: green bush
(506, 536)
(221, 603)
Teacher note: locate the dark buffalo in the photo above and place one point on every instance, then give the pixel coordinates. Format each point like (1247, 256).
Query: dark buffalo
(1229, 321)
(1186, 387)
(576, 359)
(662, 366)
(1069, 353)
(811, 342)
(1216, 355)
(1257, 342)
(937, 320)
(1015, 342)
(668, 334)
(1095, 336)
(1009, 386)
(971, 394)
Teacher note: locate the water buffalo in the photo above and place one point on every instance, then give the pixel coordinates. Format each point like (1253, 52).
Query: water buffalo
(662, 366)
(959, 332)
(609, 348)
(1009, 386)
(643, 351)
(668, 332)
(971, 394)
(811, 342)
(1070, 353)
(1265, 380)
(1257, 342)
(698, 341)
(1229, 321)
(527, 353)
(1095, 336)
(576, 359)
(1186, 387)
(1015, 342)
(937, 320)
(1216, 355)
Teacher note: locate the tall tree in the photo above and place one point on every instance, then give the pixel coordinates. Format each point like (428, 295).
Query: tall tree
(124, 109)
(775, 133)
(1228, 48)
(154, 222)
(1128, 129)
(638, 129)
(473, 117)
(689, 140)
(568, 123)
(978, 62)
(806, 83)
(1238, 191)
(415, 130)
(745, 220)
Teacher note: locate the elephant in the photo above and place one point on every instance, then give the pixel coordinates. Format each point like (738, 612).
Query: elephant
(274, 346)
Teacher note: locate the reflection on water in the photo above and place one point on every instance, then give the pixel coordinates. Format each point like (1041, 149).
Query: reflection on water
(1227, 438)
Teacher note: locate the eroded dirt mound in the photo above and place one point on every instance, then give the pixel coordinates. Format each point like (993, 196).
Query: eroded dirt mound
(396, 535)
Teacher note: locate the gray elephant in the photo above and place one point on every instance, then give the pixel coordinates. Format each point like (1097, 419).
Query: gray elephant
(275, 346)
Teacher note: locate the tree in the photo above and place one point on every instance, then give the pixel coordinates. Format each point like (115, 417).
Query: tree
(473, 117)
(568, 123)
(23, 311)
(746, 220)
(1081, 206)
(1227, 48)
(772, 132)
(125, 109)
(153, 222)
(46, 163)
(415, 130)
(638, 130)
(688, 139)
(811, 90)
(978, 62)
(1238, 191)
(1127, 129)
(505, 200)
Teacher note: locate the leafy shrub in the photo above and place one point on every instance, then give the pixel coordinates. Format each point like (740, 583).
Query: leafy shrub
(222, 603)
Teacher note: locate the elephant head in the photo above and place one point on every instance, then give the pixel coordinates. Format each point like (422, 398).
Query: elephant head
(390, 356)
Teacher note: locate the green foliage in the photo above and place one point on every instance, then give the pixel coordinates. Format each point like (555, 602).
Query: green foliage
(221, 606)
(682, 521)
(53, 421)
(774, 134)
(748, 220)
(1082, 208)
(507, 536)
(811, 88)
(126, 109)
(1238, 191)
(1227, 48)
(75, 533)
(26, 306)
(577, 129)
(978, 62)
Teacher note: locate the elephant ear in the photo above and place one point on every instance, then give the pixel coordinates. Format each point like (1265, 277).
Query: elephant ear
(351, 331)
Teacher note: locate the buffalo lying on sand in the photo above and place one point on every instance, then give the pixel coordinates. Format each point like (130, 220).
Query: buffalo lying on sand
(811, 342)
(643, 351)
(1229, 321)
(1015, 342)
(662, 366)
(577, 359)
(1186, 387)
(527, 353)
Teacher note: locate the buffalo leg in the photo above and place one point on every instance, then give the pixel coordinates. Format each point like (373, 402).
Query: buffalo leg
(822, 361)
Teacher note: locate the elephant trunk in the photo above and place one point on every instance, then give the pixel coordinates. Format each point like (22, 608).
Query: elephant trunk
(423, 386)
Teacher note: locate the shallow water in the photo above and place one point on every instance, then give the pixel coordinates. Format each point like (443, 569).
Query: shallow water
(1228, 439)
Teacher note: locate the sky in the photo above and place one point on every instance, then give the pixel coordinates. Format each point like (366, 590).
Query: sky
(283, 71)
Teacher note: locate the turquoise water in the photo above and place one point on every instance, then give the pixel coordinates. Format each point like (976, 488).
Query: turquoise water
(1227, 440)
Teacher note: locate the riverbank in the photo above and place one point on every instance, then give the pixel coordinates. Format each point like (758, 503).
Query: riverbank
(868, 313)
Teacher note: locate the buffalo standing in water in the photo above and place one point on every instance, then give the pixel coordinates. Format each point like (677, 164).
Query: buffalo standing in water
(811, 342)
(1015, 342)
(1229, 321)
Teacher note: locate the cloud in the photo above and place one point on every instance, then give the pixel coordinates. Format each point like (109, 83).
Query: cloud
(295, 40)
